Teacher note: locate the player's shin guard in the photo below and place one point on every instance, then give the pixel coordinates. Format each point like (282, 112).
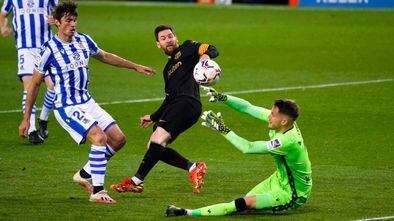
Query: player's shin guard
(48, 104)
(220, 209)
(173, 158)
(98, 165)
(151, 157)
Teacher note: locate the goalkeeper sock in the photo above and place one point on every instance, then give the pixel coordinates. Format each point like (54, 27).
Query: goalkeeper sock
(151, 157)
(173, 158)
(220, 209)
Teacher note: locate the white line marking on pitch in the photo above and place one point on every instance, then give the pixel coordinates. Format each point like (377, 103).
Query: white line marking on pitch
(375, 218)
(241, 92)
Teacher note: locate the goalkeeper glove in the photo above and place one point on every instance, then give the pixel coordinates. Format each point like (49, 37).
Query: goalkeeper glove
(215, 96)
(214, 122)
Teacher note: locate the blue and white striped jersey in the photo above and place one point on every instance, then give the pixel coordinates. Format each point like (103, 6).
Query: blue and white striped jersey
(68, 67)
(29, 21)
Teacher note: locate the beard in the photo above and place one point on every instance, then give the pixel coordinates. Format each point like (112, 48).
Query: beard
(169, 50)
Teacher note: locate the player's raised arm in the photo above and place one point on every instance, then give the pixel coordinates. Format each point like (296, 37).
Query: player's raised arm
(238, 104)
(216, 123)
(117, 61)
(32, 92)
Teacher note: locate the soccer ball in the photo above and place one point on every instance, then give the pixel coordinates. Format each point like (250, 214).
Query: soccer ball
(207, 72)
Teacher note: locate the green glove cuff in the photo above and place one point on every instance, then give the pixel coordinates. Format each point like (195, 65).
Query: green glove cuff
(221, 97)
(223, 129)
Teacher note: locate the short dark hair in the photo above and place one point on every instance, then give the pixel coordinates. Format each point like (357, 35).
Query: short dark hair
(287, 107)
(65, 8)
(162, 28)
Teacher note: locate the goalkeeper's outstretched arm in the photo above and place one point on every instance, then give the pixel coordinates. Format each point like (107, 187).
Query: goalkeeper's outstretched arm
(215, 122)
(245, 146)
(237, 104)
(245, 107)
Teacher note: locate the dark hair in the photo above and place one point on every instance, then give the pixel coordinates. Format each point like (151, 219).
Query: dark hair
(287, 107)
(65, 8)
(162, 28)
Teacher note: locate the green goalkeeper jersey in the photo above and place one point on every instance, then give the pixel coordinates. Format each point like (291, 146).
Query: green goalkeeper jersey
(287, 149)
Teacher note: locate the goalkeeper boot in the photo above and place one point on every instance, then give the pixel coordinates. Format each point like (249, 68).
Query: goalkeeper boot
(175, 211)
(43, 130)
(101, 197)
(127, 185)
(197, 176)
(84, 182)
(34, 138)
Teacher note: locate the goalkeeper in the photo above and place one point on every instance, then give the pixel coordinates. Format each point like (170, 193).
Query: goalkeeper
(290, 185)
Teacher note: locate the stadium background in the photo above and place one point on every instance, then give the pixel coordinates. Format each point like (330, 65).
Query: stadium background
(336, 63)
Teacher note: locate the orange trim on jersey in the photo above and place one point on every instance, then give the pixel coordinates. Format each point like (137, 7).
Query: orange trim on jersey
(202, 49)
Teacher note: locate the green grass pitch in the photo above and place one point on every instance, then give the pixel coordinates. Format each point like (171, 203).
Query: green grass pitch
(347, 128)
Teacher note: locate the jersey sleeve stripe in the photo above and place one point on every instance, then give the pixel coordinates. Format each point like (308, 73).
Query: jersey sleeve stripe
(53, 2)
(6, 6)
(44, 59)
(91, 44)
(202, 49)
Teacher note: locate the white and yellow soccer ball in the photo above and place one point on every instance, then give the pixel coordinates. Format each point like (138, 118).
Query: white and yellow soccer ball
(207, 72)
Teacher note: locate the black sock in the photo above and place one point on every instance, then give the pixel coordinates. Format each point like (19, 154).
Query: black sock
(152, 156)
(173, 158)
(97, 189)
(180, 212)
(240, 204)
(84, 174)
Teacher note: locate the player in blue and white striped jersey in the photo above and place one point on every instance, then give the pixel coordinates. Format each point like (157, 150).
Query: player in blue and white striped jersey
(67, 64)
(66, 57)
(31, 25)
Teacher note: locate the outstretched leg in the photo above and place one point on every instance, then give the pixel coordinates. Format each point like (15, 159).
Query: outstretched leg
(115, 141)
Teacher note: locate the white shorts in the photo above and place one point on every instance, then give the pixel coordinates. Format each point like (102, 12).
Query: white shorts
(78, 119)
(27, 58)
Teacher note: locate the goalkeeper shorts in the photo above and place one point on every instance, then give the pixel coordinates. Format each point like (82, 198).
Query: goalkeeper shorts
(274, 196)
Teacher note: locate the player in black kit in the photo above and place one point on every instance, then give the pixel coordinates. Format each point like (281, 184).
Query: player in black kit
(180, 109)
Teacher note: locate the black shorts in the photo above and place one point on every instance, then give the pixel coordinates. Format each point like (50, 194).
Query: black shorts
(180, 115)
